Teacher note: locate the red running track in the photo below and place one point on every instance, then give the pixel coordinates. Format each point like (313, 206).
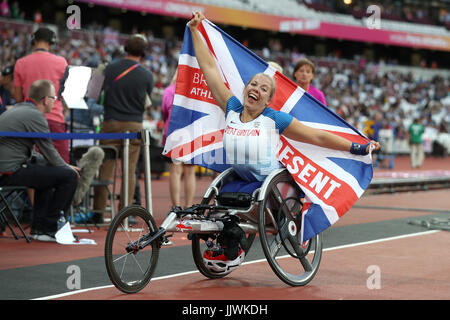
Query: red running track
(410, 267)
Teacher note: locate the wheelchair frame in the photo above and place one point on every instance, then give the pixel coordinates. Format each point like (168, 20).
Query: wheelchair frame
(268, 215)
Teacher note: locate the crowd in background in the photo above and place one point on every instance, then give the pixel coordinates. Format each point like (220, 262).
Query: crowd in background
(400, 10)
(362, 94)
(358, 91)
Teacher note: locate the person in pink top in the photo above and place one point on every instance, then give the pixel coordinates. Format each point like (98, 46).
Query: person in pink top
(303, 75)
(176, 169)
(43, 65)
(166, 106)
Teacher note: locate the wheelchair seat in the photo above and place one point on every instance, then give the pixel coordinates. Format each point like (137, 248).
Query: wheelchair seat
(241, 186)
(238, 193)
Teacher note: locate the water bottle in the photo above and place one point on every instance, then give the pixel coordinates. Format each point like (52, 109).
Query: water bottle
(96, 122)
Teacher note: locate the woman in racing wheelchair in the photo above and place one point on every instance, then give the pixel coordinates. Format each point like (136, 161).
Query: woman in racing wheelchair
(240, 120)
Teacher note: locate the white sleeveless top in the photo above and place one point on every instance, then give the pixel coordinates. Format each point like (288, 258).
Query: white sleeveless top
(251, 146)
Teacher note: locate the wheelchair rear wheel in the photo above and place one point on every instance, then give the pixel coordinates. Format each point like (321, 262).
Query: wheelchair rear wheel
(199, 246)
(279, 222)
(130, 268)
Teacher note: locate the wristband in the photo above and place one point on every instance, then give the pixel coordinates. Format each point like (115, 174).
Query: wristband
(359, 149)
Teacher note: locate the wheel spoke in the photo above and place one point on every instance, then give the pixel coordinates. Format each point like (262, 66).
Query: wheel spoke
(122, 256)
(283, 205)
(296, 245)
(125, 231)
(306, 264)
(138, 264)
(275, 245)
(123, 266)
(284, 231)
(272, 218)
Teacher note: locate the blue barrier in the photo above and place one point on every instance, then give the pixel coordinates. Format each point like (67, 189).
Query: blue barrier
(70, 136)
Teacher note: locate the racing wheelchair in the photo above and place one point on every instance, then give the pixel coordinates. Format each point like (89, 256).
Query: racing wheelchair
(271, 210)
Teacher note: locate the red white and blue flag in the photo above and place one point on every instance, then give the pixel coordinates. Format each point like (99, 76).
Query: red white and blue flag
(331, 180)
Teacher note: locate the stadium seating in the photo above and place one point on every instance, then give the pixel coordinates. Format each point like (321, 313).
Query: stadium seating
(355, 89)
(297, 9)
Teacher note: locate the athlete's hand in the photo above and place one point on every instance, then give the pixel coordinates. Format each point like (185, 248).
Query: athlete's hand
(197, 17)
(374, 143)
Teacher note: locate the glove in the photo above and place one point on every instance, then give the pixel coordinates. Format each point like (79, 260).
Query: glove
(359, 149)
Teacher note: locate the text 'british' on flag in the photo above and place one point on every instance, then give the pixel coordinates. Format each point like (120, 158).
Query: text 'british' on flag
(331, 180)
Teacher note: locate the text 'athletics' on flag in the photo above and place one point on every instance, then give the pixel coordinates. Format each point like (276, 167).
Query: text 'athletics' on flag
(331, 180)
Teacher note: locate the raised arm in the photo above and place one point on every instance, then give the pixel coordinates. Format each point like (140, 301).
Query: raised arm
(206, 62)
(299, 132)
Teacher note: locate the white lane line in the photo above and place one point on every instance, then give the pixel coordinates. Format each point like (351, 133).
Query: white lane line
(245, 263)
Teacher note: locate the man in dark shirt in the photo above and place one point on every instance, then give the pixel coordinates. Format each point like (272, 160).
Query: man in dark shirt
(53, 180)
(127, 84)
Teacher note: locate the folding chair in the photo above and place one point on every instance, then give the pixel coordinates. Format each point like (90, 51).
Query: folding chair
(8, 195)
(111, 153)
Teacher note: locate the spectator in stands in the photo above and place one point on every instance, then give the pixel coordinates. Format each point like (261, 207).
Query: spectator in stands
(37, 16)
(416, 131)
(53, 180)
(4, 8)
(176, 168)
(352, 87)
(127, 84)
(41, 64)
(304, 74)
(6, 82)
(15, 10)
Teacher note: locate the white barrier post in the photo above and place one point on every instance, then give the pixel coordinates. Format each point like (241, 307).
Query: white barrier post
(125, 166)
(145, 136)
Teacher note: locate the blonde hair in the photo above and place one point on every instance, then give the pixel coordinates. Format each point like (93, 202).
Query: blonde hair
(276, 66)
(272, 81)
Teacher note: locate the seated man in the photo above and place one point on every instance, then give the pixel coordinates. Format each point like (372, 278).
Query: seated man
(48, 174)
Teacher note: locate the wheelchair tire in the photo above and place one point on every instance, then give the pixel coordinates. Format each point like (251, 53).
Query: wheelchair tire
(199, 246)
(131, 271)
(279, 222)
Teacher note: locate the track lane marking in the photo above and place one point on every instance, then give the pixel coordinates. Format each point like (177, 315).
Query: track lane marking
(61, 295)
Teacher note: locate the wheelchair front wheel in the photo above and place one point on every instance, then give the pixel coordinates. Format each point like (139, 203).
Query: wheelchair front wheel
(279, 223)
(199, 246)
(129, 267)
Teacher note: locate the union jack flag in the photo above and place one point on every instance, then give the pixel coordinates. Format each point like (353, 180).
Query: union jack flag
(331, 180)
